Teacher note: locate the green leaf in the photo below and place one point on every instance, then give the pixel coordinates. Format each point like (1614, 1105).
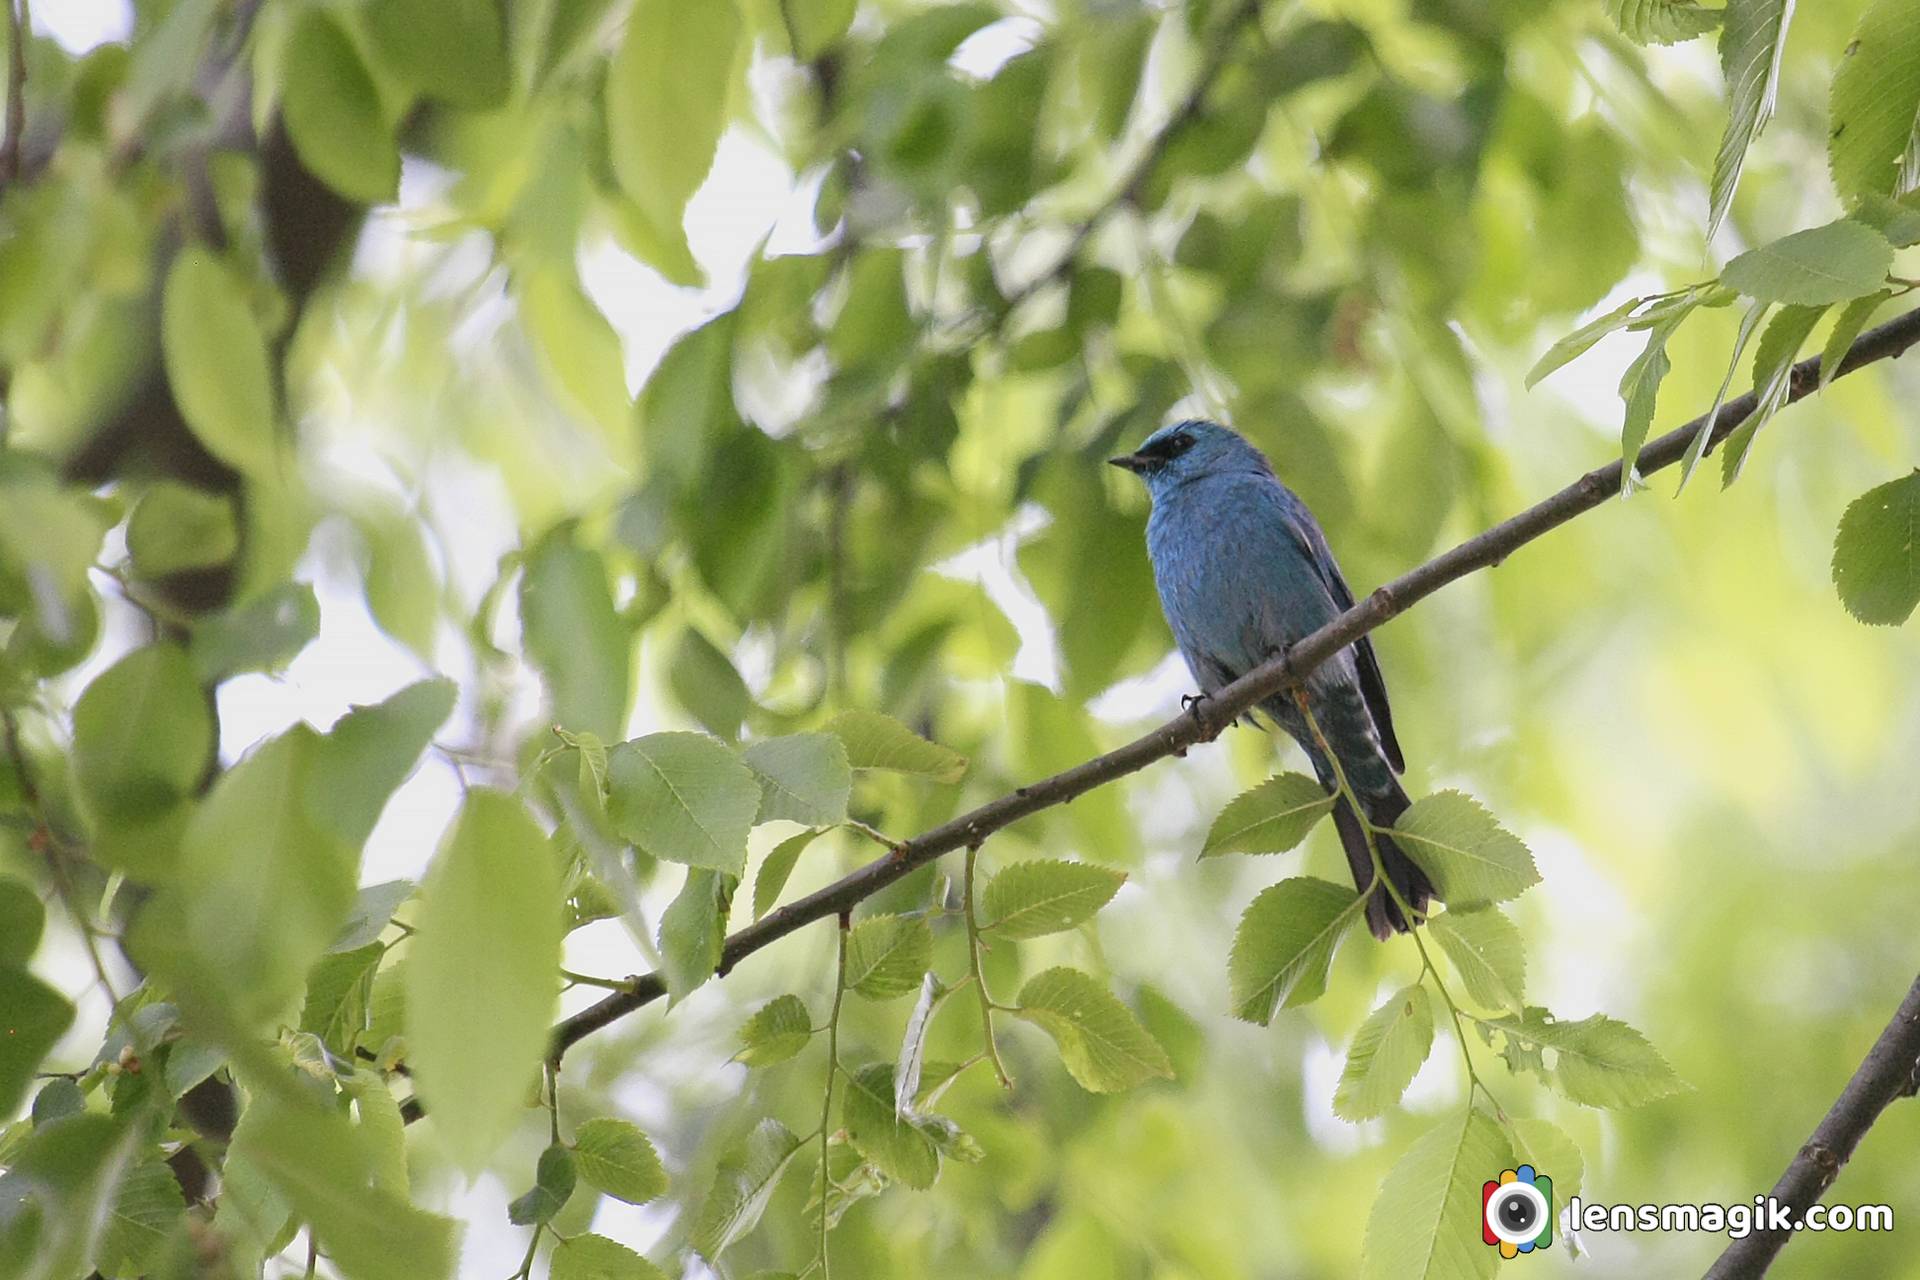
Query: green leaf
(876, 741)
(175, 527)
(142, 736)
(33, 1017)
(63, 1177)
(705, 682)
(693, 929)
(1032, 899)
(1846, 328)
(1662, 21)
(912, 1057)
(1580, 340)
(216, 359)
(894, 1143)
(578, 348)
(263, 634)
(21, 920)
(591, 1257)
(1832, 263)
(1385, 1055)
(453, 50)
(817, 25)
(339, 992)
(574, 637)
(775, 870)
(804, 778)
(480, 974)
(553, 1182)
(324, 1169)
(402, 588)
(683, 797)
(616, 1159)
(1466, 853)
(1697, 447)
(380, 1129)
(1104, 1047)
(1640, 389)
(1425, 1223)
(262, 889)
(147, 1206)
(333, 112)
(1773, 361)
(370, 751)
(1285, 944)
(667, 92)
(780, 1029)
(1542, 1145)
(1876, 554)
(1487, 953)
(1272, 818)
(1598, 1061)
(1876, 93)
(373, 908)
(886, 955)
(1897, 220)
(742, 1189)
(1752, 42)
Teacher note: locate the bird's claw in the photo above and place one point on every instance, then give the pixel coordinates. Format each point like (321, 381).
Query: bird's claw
(1191, 703)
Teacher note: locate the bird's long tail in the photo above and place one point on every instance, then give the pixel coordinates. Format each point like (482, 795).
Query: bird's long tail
(1384, 916)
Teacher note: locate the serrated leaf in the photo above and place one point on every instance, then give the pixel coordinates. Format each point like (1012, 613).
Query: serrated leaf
(480, 974)
(1640, 389)
(1662, 21)
(616, 1159)
(887, 954)
(1032, 899)
(1385, 1055)
(1773, 361)
(574, 636)
(683, 797)
(147, 1206)
(1469, 857)
(1104, 1047)
(876, 741)
(1697, 447)
(894, 1143)
(776, 869)
(453, 50)
(1876, 93)
(339, 989)
(778, 1030)
(1751, 44)
(142, 734)
(913, 1046)
(1598, 1061)
(1285, 944)
(742, 1189)
(1487, 954)
(1581, 340)
(1876, 554)
(591, 1257)
(1425, 1223)
(370, 751)
(1542, 1145)
(804, 778)
(381, 1130)
(693, 930)
(1846, 328)
(553, 1183)
(176, 527)
(1271, 818)
(1821, 265)
(373, 910)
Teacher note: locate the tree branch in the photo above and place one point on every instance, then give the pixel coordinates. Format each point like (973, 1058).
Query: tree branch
(1887, 1073)
(1216, 712)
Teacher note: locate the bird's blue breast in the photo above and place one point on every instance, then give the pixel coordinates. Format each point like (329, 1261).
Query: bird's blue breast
(1235, 577)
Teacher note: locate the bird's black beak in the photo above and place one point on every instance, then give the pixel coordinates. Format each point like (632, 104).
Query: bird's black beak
(1131, 462)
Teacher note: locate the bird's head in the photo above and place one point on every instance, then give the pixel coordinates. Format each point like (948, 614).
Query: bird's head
(1183, 451)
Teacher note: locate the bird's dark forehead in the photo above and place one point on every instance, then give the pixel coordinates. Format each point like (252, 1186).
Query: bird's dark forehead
(1161, 441)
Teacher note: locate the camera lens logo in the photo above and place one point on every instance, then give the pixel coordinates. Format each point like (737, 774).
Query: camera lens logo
(1517, 1211)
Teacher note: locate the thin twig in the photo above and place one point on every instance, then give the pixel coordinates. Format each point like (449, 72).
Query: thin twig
(979, 974)
(1887, 1073)
(826, 1101)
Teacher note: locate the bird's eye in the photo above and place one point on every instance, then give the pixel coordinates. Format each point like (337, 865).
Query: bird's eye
(1179, 444)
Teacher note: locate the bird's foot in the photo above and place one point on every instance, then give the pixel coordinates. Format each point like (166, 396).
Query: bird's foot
(1192, 704)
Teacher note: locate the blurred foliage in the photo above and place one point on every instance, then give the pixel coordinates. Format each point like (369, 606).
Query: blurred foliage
(717, 562)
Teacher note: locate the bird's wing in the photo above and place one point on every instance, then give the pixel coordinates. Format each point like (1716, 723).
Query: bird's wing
(1373, 685)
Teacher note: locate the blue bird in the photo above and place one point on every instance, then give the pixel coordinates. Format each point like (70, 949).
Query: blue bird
(1243, 572)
